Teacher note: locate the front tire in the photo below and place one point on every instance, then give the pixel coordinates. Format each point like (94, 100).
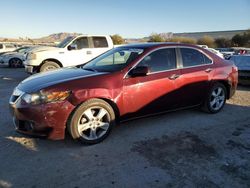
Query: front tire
(48, 66)
(92, 121)
(216, 99)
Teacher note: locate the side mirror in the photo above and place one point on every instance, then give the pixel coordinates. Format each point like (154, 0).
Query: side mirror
(139, 71)
(72, 47)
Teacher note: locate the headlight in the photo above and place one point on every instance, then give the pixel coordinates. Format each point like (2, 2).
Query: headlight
(31, 56)
(45, 97)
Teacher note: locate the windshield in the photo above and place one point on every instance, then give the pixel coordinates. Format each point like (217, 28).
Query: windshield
(20, 50)
(65, 42)
(113, 60)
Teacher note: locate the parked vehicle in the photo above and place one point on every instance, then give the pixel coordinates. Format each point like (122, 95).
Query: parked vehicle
(15, 58)
(216, 52)
(227, 52)
(4, 47)
(127, 82)
(243, 64)
(70, 52)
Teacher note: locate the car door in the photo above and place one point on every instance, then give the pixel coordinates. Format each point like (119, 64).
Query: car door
(78, 52)
(155, 92)
(196, 73)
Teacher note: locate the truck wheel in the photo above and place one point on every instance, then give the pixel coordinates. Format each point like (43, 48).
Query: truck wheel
(48, 66)
(92, 121)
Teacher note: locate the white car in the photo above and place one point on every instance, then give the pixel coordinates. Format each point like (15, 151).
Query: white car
(216, 52)
(4, 47)
(70, 52)
(15, 58)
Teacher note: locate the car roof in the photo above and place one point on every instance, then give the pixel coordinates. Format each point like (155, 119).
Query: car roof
(156, 44)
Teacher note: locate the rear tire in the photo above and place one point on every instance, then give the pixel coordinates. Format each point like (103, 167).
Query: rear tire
(215, 99)
(92, 121)
(48, 66)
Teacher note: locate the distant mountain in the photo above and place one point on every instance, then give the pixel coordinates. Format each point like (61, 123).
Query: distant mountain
(57, 37)
(213, 34)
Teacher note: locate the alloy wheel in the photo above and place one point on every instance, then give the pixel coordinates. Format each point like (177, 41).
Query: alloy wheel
(217, 98)
(93, 123)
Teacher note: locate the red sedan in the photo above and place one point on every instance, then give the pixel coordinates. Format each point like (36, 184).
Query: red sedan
(127, 82)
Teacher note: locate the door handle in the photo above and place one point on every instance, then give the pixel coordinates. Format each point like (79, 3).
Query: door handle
(208, 70)
(89, 52)
(173, 76)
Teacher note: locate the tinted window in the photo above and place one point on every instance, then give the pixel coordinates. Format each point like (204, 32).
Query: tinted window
(81, 43)
(160, 60)
(100, 42)
(191, 57)
(1, 46)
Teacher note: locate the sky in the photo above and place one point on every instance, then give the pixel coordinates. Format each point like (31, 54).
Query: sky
(130, 18)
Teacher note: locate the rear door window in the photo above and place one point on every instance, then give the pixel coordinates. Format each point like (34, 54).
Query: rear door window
(100, 42)
(192, 57)
(1, 46)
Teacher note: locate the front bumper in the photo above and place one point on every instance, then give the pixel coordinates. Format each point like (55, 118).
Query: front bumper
(29, 69)
(44, 120)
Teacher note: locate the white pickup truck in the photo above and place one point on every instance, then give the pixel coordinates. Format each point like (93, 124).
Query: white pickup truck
(70, 52)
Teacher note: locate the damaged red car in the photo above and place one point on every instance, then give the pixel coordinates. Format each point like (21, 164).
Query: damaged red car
(124, 83)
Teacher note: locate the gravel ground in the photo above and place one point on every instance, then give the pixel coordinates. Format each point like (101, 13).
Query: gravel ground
(182, 149)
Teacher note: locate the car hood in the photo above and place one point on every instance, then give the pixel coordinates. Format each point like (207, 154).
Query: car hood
(9, 53)
(43, 48)
(43, 80)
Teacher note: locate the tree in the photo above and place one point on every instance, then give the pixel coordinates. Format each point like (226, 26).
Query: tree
(238, 40)
(117, 39)
(206, 40)
(222, 42)
(183, 40)
(242, 40)
(154, 37)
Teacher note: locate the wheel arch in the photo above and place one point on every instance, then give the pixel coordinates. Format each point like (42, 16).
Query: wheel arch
(51, 59)
(14, 58)
(109, 101)
(113, 105)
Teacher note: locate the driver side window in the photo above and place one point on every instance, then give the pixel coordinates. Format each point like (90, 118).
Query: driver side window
(160, 60)
(81, 43)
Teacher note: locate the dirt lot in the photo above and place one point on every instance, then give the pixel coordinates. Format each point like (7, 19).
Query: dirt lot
(181, 149)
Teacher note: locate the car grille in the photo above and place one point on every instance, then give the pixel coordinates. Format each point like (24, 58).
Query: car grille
(16, 95)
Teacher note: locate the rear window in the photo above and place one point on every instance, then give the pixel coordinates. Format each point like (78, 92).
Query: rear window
(192, 57)
(100, 42)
